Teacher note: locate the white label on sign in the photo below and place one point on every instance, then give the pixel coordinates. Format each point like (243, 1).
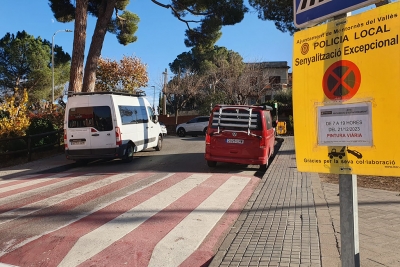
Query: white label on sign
(345, 125)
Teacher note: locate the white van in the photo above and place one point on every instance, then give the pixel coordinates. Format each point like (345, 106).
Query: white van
(107, 125)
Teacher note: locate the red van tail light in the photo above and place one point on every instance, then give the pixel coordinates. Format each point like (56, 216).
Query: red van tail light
(263, 142)
(118, 136)
(65, 139)
(208, 139)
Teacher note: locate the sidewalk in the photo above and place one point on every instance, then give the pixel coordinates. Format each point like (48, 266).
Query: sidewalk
(292, 219)
(56, 163)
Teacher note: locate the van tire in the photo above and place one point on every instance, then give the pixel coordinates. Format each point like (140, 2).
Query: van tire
(159, 143)
(181, 132)
(128, 157)
(211, 163)
(263, 167)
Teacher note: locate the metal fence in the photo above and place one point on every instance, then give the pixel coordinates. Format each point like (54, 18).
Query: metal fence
(31, 143)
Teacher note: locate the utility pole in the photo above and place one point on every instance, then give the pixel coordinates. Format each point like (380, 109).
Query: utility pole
(154, 98)
(164, 92)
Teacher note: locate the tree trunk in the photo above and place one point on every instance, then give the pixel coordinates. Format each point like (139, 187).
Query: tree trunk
(176, 116)
(105, 13)
(78, 52)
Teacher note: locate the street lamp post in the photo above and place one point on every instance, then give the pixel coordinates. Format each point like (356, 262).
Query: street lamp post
(154, 97)
(164, 92)
(52, 60)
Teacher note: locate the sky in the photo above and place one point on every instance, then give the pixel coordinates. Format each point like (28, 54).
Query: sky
(160, 36)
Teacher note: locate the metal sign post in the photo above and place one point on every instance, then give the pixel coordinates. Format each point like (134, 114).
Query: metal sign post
(349, 245)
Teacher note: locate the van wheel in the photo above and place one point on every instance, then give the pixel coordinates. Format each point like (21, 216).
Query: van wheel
(181, 132)
(211, 163)
(263, 167)
(128, 157)
(159, 144)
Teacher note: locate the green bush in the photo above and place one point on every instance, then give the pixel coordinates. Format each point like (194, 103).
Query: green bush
(13, 145)
(39, 126)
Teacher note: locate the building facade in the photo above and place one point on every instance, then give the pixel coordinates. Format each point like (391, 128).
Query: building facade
(269, 79)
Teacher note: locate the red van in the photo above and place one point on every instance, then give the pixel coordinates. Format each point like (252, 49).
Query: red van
(240, 134)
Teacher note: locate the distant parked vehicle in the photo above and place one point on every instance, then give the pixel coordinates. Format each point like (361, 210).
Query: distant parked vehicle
(240, 134)
(196, 126)
(163, 128)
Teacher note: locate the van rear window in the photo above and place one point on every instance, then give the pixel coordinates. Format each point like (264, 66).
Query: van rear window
(98, 117)
(236, 119)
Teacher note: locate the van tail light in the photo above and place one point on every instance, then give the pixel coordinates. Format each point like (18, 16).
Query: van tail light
(118, 136)
(65, 139)
(263, 142)
(208, 139)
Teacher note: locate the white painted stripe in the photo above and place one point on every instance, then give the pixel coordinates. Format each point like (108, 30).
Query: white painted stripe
(94, 242)
(39, 205)
(2, 182)
(188, 235)
(29, 183)
(39, 190)
(82, 215)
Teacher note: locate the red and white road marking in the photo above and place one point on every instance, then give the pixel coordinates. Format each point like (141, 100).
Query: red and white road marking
(159, 223)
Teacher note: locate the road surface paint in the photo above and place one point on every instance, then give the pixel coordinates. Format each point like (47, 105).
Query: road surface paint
(122, 219)
(187, 236)
(39, 205)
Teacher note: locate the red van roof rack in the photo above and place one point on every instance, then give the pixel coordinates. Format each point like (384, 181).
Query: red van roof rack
(236, 116)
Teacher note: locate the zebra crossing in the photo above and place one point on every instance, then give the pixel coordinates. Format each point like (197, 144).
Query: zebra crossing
(115, 219)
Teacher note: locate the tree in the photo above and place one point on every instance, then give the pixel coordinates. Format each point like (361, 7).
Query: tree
(14, 115)
(205, 61)
(211, 15)
(129, 74)
(182, 89)
(25, 63)
(218, 66)
(280, 12)
(124, 26)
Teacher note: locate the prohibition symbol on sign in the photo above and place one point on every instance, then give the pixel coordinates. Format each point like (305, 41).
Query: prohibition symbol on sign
(341, 80)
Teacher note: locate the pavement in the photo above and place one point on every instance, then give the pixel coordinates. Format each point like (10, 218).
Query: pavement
(291, 219)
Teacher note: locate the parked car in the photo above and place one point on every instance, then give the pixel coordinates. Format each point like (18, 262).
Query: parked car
(163, 128)
(195, 126)
(240, 134)
(108, 125)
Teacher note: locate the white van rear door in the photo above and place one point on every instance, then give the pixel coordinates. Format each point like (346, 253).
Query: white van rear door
(90, 124)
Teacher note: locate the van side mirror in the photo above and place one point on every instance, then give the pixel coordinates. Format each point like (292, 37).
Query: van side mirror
(155, 118)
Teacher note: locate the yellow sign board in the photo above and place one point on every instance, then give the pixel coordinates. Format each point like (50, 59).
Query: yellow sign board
(346, 94)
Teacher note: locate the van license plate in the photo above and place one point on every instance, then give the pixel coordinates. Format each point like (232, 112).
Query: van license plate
(234, 141)
(77, 142)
